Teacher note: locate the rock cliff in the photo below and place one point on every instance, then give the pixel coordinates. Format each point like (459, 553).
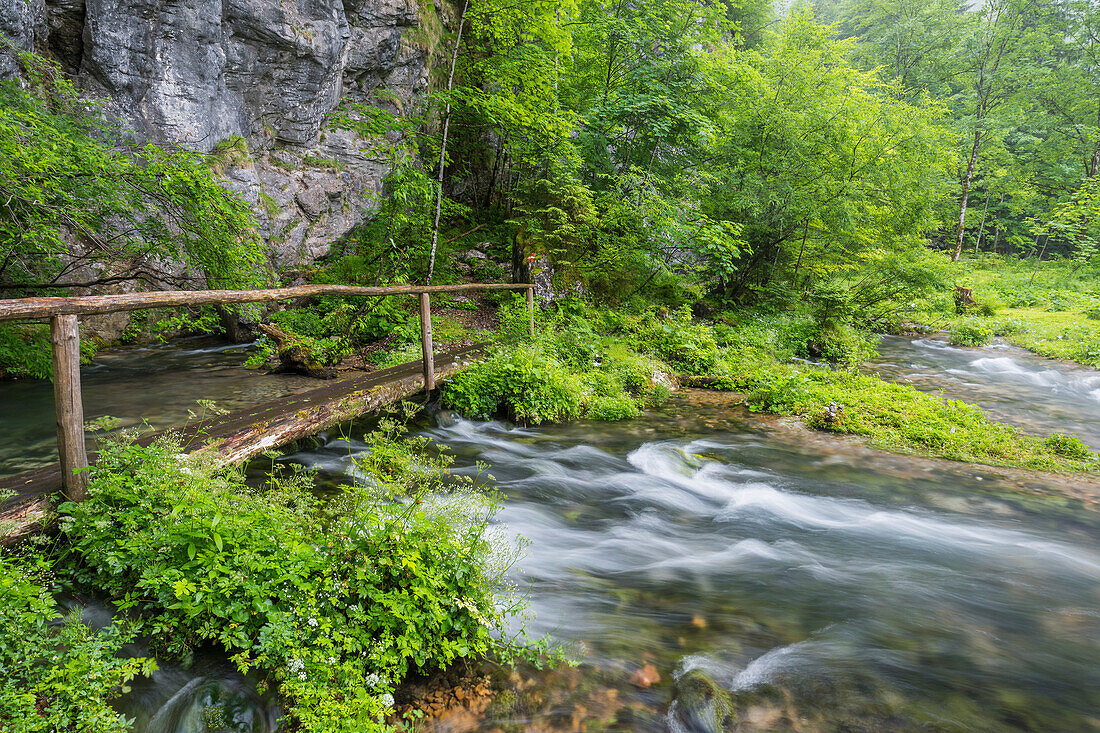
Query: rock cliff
(269, 72)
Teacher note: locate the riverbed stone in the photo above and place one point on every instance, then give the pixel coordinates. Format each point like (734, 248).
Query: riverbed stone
(701, 705)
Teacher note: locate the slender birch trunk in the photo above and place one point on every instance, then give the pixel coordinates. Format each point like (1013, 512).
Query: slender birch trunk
(443, 144)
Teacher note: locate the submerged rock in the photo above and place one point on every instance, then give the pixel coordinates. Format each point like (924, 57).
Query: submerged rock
(701, 705)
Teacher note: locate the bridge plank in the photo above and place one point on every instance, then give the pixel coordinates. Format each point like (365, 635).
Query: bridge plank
(245, 434)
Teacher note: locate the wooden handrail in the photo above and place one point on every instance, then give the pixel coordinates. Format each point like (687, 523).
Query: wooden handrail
(62, 312)
(48, 307)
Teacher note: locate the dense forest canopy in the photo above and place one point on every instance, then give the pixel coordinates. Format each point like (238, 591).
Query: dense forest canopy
(671, 149)
(755, 151)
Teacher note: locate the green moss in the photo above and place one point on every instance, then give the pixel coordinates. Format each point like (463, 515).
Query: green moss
(229, 153)
(314, 161)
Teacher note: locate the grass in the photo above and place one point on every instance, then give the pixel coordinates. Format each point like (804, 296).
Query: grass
(314, 161)
(229, 153)
(900, 418)
(1049, 309)
(1069, 335)
(271, 206)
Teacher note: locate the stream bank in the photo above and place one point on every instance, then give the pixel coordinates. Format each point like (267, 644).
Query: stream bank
(744, 559)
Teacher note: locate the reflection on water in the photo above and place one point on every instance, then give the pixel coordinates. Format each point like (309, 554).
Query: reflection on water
(155, 384)
(785, 584)
(1012, 385)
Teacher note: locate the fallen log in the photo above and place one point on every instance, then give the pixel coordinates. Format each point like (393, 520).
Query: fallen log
(237, 437)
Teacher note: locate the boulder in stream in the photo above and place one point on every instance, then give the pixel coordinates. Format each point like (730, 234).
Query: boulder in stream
(701, 705)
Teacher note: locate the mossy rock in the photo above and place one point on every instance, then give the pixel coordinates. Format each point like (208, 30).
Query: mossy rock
(701, 705)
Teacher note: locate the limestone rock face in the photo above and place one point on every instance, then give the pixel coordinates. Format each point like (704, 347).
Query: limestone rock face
(197, 73)
(20, 20)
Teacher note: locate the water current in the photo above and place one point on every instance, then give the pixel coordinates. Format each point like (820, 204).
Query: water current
(762, 577)
(155, 385)
(1012, 385)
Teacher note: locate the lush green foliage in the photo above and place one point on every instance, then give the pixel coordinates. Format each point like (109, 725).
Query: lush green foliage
(606, 363)
(336, 601)
(67, 174)
(82, 205)
(569, 369)
(56, 673)
(971, 332)
(892, 416)
(1046, 306)
(25, 351)
(898, 416)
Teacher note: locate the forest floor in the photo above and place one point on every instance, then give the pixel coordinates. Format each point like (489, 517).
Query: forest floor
(1052, 309)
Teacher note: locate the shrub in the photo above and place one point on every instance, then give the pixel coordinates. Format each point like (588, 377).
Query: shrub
(970, 332)
(612, 407)
(634, 372)
(1068, 446)
(335, 602)
(842, 344)
(784, 337)
(525, 383)
(989, 305)
(688, 347)
(899, 416)
(57, 674)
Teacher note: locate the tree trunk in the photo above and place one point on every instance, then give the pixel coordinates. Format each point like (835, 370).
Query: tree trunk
(1038, 259)
(981, 229)
(967, 179)
(443, 145)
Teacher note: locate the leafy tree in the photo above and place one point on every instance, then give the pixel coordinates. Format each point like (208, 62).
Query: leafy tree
(991, 80)
(77, 199)
(916, 43)
(821, 162)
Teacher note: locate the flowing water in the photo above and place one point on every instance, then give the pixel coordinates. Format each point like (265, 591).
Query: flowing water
(1015, 386)
(760, 573)
(157, 385)
(805, 581)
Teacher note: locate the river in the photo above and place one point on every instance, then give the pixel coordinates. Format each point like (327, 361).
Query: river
(1011, 384)
(767, 578)
(144, 387)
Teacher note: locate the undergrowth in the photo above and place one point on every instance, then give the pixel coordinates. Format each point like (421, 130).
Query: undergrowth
(56, 673)
(336, 601)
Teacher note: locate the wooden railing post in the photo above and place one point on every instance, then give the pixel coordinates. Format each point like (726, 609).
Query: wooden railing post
(426, 341)
(531, 310)
(65, 337)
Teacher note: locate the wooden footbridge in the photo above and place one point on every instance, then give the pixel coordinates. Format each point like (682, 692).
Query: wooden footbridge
(232, 438)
